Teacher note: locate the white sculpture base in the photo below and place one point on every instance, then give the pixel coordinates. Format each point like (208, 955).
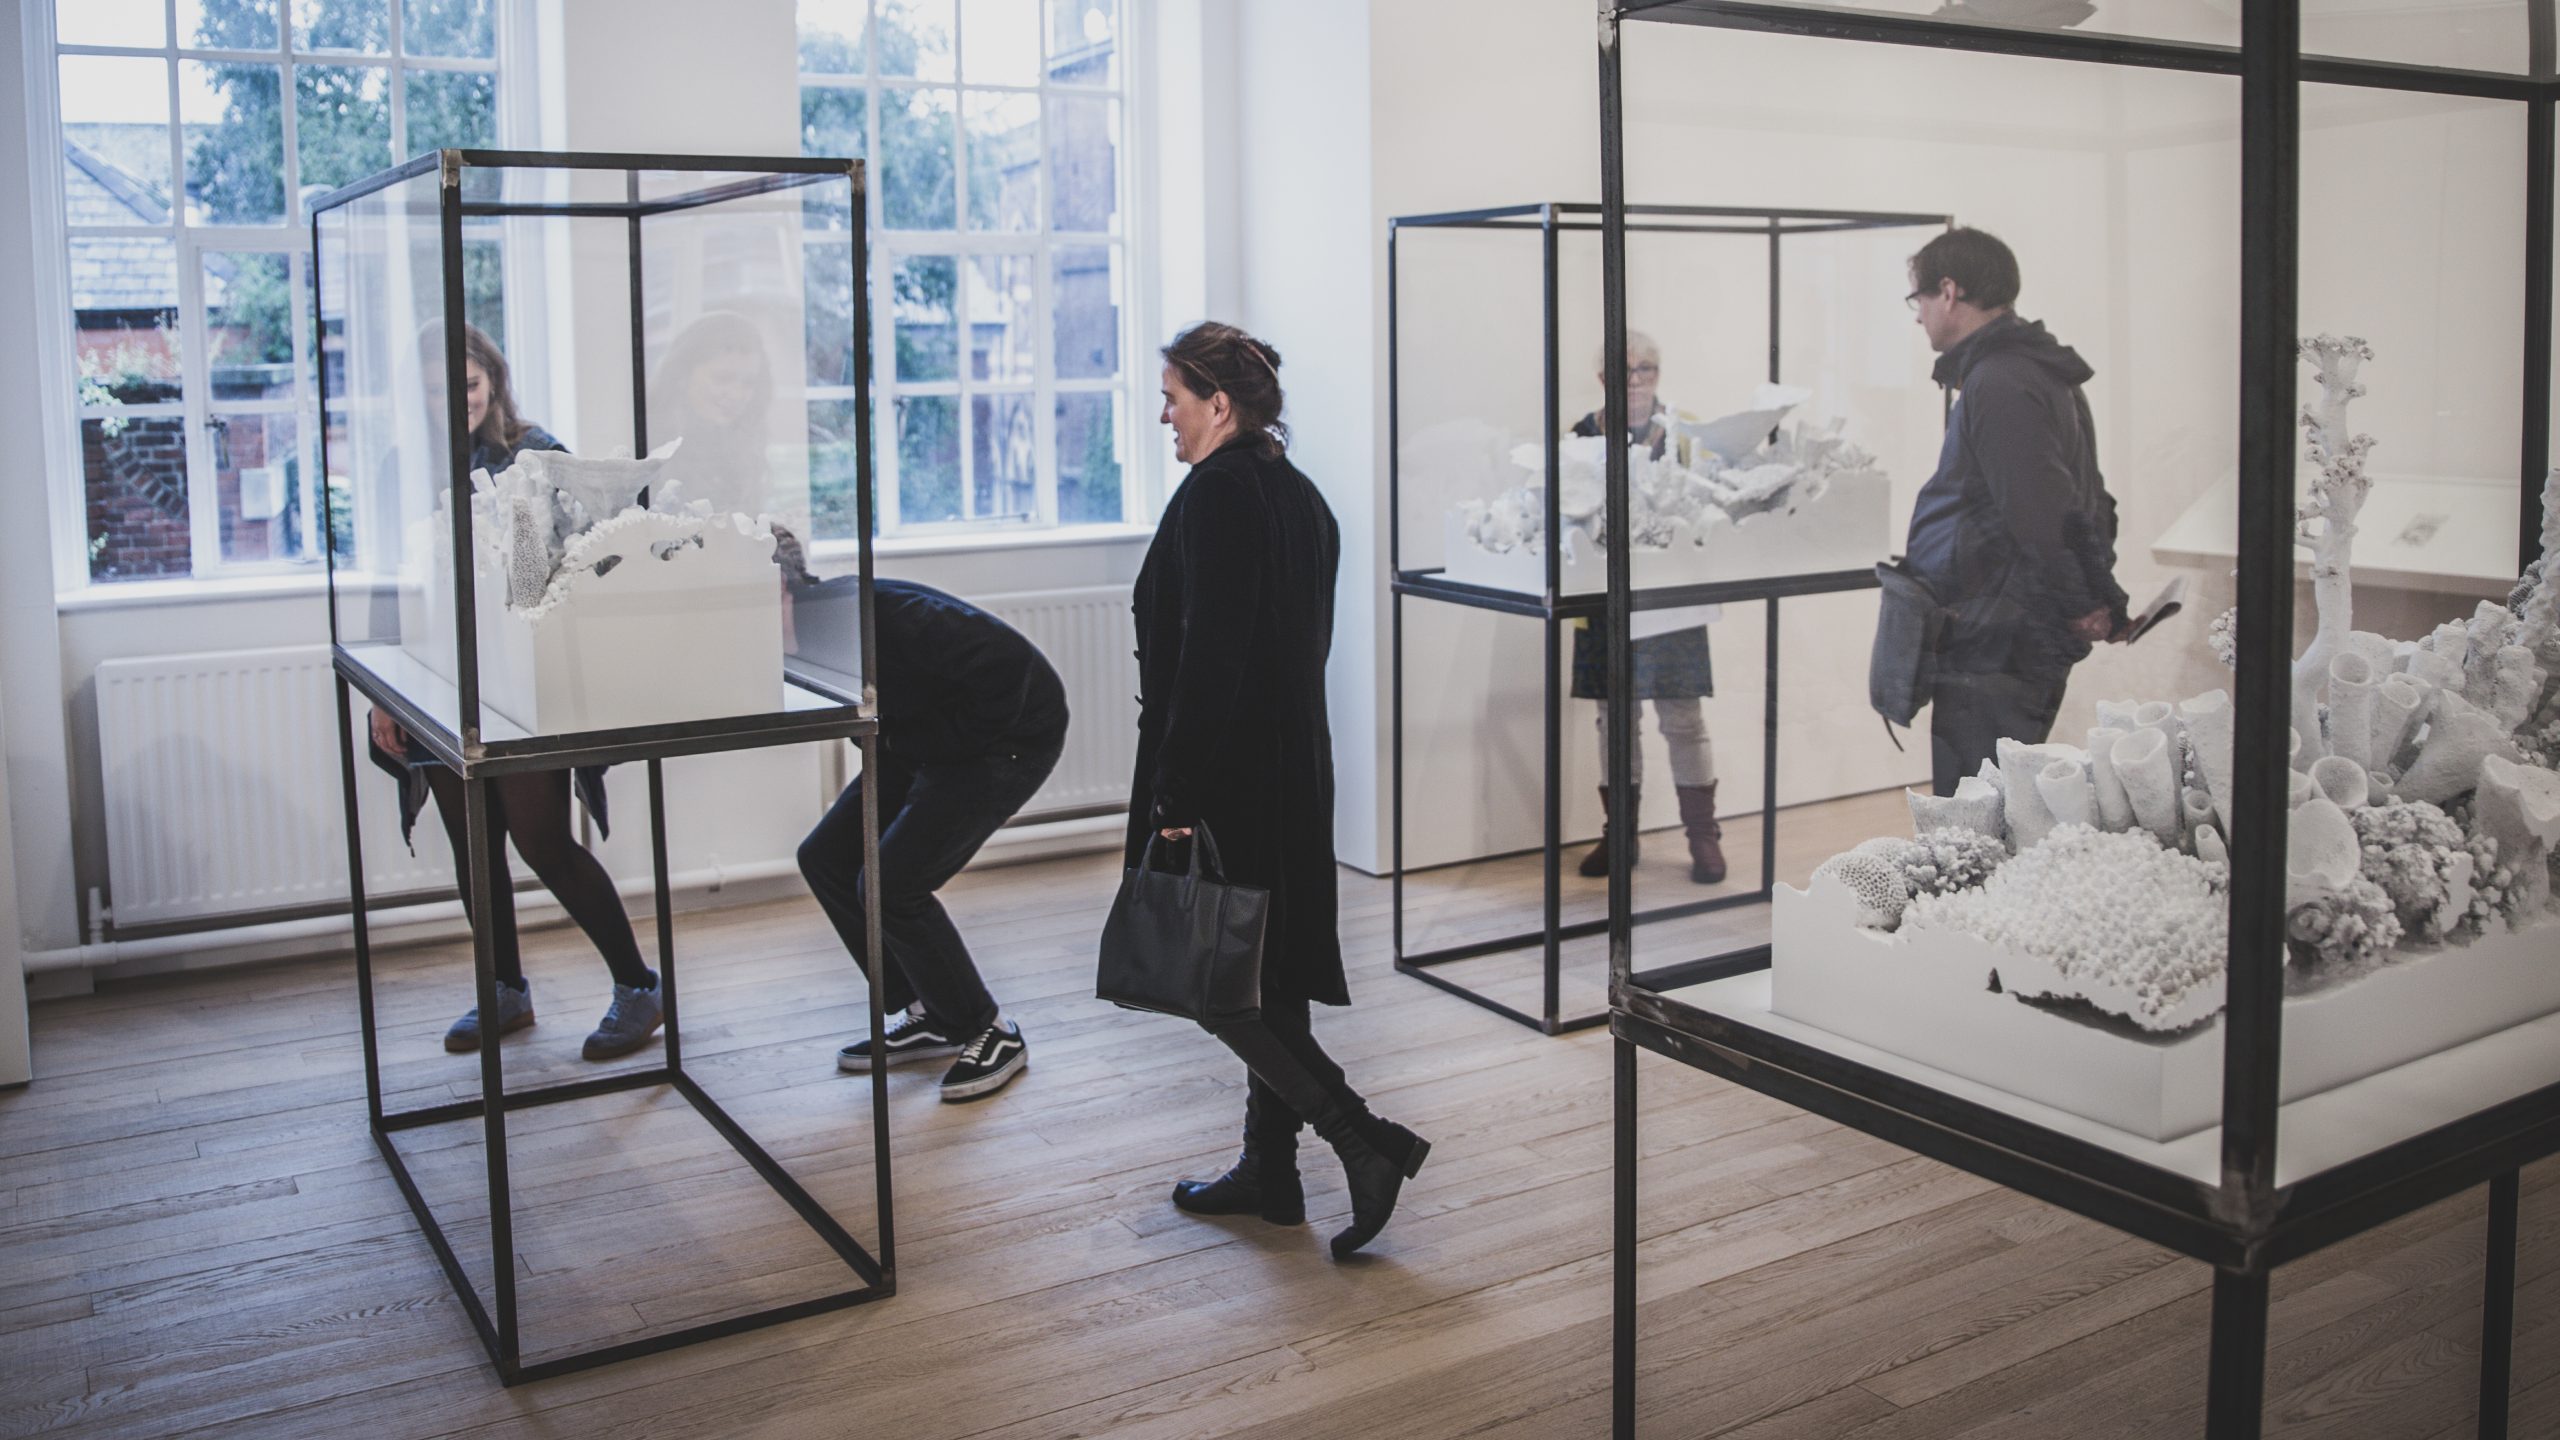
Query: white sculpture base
(1849, 526)
(1926, 996)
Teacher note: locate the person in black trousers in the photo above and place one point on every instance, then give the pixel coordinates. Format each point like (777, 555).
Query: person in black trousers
(1235, 616)
(972, 719)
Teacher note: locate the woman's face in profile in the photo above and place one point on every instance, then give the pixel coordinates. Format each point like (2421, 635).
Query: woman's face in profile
(475, 394)
(1195, 422)
(723, 389)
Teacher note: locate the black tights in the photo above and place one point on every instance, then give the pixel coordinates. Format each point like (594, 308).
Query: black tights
(533, 811)
(1291, 1079)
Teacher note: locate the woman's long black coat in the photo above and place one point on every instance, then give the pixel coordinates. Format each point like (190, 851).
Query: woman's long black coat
(1235, 618)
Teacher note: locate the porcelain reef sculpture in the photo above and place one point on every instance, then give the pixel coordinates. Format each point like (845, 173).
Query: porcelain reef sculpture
(2425, 803)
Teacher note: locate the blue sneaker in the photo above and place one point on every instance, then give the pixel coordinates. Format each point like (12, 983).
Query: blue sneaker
(515, 1011)
(628, 1022)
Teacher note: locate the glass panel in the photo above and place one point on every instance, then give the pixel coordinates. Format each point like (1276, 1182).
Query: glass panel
(835, 121)
(228, 24)
(1000, 42)
(924, 299)
(266, 516)
(463, 29)
(115, 140)
(1090, 457)
(1003, 318)
(234, 118)
(363, 26)
(134, 480)
(834, 36)
(1084, 305)
(458, 110)
(928, 458)
(833, 504)
(1003, 459)
(915, 159)
(1004, 161)
(248, 321)
(915, 39)
(2463, 34)
(2211, 23)
(484, 275)
(830, 319)
(139, 23)
(124, 317)
(1084, 164)
(342, 123)
(1084, 42)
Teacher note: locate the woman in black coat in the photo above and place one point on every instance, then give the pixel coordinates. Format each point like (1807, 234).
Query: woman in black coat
(1235, 616)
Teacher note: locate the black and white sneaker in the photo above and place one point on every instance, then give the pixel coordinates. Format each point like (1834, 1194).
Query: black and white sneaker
(907, 1036)
(987, 1063)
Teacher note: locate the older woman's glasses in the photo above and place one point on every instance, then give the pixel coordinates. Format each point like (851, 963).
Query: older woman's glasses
(1644, 370)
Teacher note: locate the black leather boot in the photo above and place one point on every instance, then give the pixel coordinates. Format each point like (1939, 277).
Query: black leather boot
(1264, 1180)
(1378, 1156)
(1596, 864)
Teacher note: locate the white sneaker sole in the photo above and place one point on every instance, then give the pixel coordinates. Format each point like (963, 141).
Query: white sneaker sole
(990, 1082)
(861, 1064)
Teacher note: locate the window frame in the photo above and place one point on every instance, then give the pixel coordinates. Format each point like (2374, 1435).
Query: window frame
(1040, 247)
(65, 416)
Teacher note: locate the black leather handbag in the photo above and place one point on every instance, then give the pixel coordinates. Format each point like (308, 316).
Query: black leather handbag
(1185, 942)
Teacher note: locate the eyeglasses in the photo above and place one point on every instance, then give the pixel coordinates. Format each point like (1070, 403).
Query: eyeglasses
(1644, 370)
(1915, 297)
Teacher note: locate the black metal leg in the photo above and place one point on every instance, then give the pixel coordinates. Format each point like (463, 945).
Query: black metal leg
(1622, 1308)
(2235, 1388)
(2498, 1309)
(1395, 769)
(1552, 944)
(666, 915)
(879, 1041)
(355, 909)
(1769, 763)
(493, 1086)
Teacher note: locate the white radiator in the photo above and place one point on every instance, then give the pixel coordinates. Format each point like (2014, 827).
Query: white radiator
(1087, 635)
(222, 796)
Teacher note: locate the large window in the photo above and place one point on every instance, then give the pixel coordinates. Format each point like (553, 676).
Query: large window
(192, 133)
(1000, 267)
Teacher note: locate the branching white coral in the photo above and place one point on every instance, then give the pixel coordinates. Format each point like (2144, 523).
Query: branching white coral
(2342, 933)
(1945, 861)
(2417, 854)
(2325, 524)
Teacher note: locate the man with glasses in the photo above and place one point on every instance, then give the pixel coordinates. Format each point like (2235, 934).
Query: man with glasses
(2015, 533)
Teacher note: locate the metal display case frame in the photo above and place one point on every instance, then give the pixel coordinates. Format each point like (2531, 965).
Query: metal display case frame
(2247, 1224)
(1550, 221)
(818, 706)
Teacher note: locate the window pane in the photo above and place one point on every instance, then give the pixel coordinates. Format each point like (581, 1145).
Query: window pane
(227, 24)
(915, 39)
(915, 159)
(1003, 319)
(342, 123)
(1084, 164)
(248, 323)
(257, 475)
(831, 470)
(1084, 42)
(456, 109)
(134, 470)
(1004, 160)
(928, 458)
(484, 286)
(1000, 42)
(124, 315)
(834, 121)
(922, 304)
(1003, 470)
(831, 36)
(234, 118)
(110, 22)
(1089, 459)
(460, 28)
(363, 26)
(828, 284)
(1084, 309)
(115, 134)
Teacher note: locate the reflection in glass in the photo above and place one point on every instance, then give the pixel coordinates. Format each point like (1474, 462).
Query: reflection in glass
(832, 36)
(115, 140)
(924, 293)
(234, 118)
(363, 26)
(915, 39)
(1084, 153)
(227, 24)
(342, 123)
(1084, 309)
(266, 513)
(248, 324)
(1003, 461)
(134, 480)
(829, 322)
(1003, 318)
(462, 29)
(110, 22)
(928, 458)
(1004, 160)
(1089, 459)
(714, 391)
(915, 159)
(124, 315)
(1084, 43)
(833, 511)
(484, 287)
(835, 120)
(1000, 42)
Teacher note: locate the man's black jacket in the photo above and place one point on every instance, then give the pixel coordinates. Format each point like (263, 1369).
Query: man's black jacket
(955, 682)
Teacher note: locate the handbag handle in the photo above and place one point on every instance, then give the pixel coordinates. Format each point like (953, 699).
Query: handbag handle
(1205, 848)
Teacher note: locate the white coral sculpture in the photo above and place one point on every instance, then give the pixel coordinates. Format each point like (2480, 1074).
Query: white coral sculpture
(2326, 522)
(551, 518)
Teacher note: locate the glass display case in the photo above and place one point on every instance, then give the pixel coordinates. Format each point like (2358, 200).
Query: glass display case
(567, 406)
(2227, 917)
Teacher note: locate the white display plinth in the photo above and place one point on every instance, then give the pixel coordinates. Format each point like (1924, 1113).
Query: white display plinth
(1849, 526)
(1926, 995)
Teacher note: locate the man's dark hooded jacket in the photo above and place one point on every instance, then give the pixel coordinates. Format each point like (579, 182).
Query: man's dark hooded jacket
(2016, 532)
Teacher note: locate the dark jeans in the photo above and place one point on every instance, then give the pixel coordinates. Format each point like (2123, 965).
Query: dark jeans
(1291, 1079)
(933, 817)
(1970, 710)
(533, 811)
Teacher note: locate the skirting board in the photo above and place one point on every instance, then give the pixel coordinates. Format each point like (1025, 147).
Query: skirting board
(1849, 526)
(1926, 996)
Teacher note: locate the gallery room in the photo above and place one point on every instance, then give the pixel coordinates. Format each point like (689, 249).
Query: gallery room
(1040, 718)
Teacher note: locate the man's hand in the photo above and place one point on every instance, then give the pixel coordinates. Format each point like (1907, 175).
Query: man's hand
(2097, 627)
(1181, 832)
(388, 735)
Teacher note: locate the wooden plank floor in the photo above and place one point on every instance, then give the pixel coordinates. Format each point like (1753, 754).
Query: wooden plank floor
(197, 1238)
